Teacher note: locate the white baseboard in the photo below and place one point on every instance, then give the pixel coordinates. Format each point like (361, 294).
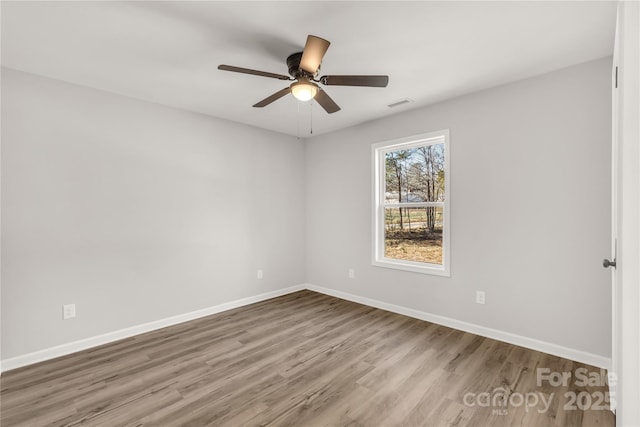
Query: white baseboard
(72, 347)
(84, 344)
(534, 344)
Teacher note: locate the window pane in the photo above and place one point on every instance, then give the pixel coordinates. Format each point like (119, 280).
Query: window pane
(413, 234)
(415, 174)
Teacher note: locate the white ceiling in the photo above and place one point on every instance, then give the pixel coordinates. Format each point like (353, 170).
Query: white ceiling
(168, 52)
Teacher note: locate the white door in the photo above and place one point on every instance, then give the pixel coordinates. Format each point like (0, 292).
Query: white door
(626, 134)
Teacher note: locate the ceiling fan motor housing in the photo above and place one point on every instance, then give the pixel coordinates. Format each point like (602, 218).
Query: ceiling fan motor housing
(293, 62)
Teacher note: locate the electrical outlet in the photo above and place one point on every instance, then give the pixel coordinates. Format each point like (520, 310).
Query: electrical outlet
(352, 273)
(259, 275)
(480, 297)
(68, 311)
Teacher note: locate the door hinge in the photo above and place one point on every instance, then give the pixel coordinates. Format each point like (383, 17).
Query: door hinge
(616, 77)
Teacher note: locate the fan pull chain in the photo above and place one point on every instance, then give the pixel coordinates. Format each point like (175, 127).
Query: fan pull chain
(311, 118)
(298, 121)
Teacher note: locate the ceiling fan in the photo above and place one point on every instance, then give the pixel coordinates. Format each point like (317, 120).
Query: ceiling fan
(304, 68)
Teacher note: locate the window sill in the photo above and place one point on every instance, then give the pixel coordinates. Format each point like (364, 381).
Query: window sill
(415, 267)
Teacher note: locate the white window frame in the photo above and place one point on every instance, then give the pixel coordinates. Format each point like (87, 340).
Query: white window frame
(378, 152)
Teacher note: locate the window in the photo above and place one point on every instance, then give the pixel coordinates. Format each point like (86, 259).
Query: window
(411, 203)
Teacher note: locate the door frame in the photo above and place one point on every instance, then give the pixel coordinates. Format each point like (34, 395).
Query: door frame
(615, 187)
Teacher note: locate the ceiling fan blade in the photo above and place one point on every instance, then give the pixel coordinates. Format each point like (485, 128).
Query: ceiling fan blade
(371, 81)
(268, 100)
(254, 72)
(313, 53)
(326, 102)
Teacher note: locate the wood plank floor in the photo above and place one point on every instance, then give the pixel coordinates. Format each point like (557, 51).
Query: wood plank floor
(304, 359)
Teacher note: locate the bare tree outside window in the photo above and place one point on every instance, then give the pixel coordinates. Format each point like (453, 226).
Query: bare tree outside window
(414, 176)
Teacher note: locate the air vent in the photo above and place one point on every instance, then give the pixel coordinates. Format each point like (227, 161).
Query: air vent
(401, 102)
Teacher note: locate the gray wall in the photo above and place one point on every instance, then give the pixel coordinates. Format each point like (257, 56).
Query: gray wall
(530, 209)
(135, 212)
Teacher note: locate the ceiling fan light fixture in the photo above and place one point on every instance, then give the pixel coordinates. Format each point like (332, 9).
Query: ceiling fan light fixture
(304, 90)
(304, 68)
